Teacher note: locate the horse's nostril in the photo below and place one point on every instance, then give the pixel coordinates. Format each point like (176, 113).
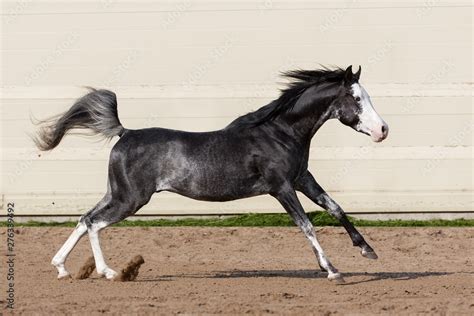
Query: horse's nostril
(384, 128)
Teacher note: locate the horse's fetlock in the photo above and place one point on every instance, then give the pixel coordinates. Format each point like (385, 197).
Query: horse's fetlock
(358, 241)
(338, 213)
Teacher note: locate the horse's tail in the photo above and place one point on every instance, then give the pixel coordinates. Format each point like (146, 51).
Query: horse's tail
(96, 111)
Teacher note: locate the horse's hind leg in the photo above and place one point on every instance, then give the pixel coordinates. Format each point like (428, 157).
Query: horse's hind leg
(96, 221)
(60, 258)
(109, 213)
(130, 187)
(81, 228)
(101, 266)
(309, 187)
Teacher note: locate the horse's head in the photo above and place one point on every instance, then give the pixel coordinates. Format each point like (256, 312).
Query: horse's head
(353, 108)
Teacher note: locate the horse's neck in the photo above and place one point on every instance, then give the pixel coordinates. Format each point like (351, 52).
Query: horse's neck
(304, 121)
(307, 121)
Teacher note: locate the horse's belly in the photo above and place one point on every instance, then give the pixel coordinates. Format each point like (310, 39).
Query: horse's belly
(218, 187)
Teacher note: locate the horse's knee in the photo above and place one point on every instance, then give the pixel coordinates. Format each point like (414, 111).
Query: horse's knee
(307, 228)
(336, 212)
(330, 206)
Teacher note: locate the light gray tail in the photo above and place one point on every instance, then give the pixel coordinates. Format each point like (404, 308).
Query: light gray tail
(96, 111)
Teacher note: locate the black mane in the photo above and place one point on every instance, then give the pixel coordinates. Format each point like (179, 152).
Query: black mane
(300, 80)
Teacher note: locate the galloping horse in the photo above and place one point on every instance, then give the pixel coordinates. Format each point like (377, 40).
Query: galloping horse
(262, 152)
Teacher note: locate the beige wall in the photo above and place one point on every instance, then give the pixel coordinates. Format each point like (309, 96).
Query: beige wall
(196, 65)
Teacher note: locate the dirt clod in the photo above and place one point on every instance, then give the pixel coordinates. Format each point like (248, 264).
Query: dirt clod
(130, 272)
(86, 269)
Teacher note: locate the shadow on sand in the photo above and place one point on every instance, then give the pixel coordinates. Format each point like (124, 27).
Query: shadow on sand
(304, 274)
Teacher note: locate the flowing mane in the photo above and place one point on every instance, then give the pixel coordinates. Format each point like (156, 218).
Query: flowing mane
(300, 80)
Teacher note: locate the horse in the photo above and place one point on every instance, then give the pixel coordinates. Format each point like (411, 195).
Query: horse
(262, 152)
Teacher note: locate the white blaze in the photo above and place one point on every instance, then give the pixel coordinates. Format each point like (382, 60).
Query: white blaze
(369, 120)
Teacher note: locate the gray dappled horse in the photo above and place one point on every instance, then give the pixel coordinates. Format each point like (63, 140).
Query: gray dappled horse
(262, 152)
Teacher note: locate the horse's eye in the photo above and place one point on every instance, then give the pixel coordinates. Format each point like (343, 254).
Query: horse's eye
(357, 99)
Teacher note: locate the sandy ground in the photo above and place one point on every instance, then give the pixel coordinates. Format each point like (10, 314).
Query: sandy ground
(249, 270)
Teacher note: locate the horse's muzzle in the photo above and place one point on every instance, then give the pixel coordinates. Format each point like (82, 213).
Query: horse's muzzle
(381, 134)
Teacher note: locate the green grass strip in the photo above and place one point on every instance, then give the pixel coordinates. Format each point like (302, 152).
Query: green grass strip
(264, 220)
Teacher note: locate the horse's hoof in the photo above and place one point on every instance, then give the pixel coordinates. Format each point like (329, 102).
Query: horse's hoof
(64, 276)
(369, 254)
(336, 278)
(108, 273)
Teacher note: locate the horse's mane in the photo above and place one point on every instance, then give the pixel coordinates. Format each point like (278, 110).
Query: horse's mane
(300, 80)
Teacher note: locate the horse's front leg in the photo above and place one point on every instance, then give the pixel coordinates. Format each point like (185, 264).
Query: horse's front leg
(309, 187)
(292, 205)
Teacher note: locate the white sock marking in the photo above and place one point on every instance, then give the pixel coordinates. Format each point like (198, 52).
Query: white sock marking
(309, 231)
(100, 264)
(61, 256)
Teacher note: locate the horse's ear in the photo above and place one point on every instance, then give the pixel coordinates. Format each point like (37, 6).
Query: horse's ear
(357, 74)
(348, 76)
